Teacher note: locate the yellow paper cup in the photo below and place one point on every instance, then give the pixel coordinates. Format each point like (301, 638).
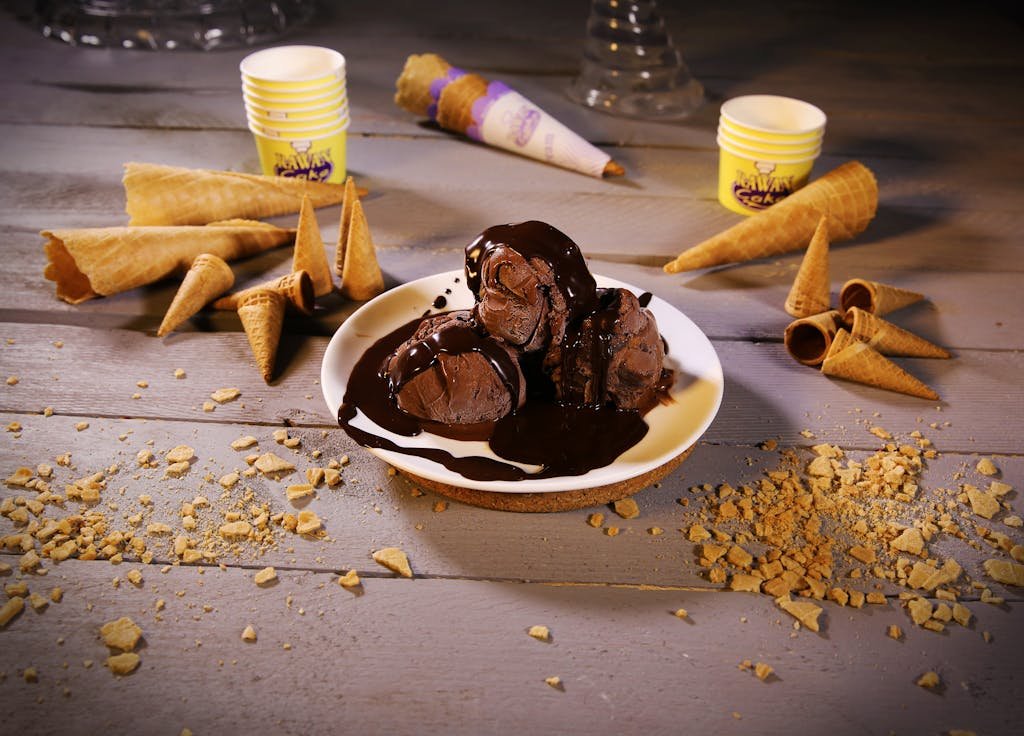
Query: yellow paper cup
(335, 116)
(751, 182)
(760, 149)
(279, 111)
(312, 97)
(298, 133)
(773, 118)
(789, 147)
(293, 67)
(314, 159)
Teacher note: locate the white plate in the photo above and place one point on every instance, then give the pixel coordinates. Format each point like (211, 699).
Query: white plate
(674, 427)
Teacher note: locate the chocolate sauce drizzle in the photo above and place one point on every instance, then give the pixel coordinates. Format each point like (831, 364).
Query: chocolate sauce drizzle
(563, 440)
(535, 239)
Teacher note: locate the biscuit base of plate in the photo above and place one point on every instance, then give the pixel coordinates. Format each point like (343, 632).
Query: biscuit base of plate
(547, 502)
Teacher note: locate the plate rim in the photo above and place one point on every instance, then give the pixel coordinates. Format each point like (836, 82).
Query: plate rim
(562, 483)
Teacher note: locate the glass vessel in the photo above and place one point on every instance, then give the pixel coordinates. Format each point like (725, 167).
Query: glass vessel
(631, 67)
(169, 24)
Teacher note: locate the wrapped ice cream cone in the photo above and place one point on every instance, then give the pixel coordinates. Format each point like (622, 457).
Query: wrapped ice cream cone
(361, 278)
(310, 255)
(208, 278)
(344, 225)
(90, 262)
(857, 361)
(491, 112)
(262, 315)
(888, 339)
(809, 294)
(874, 297)
(296, 287)
(847, 194)
(808, 339)
(172, 195)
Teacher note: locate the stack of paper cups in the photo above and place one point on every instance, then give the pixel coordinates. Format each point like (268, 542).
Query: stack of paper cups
(767, 147)
(297, 109)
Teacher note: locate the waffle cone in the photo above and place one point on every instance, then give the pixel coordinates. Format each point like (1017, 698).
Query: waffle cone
(874, 297)
(344, 225)
(808, 339)
(171, 195)
(310, 255)
(208, 278)
(888, 339)
(296, 287)
(859, 362)
(809, 294)
(412, 91)
(90, 262)
(361, 278)
(847, 194)
(455, 106)
(262, 315)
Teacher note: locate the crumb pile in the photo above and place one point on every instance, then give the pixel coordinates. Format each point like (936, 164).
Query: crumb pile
(849, 531)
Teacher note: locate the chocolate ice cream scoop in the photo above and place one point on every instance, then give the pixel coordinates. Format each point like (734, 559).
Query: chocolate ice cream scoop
(614, 358)
(451, 371)
(531, 283)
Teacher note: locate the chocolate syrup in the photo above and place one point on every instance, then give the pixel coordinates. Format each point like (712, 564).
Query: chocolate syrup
(459, 336)
(563, 440)
(645, 299)
(535, 239)
(440, 302)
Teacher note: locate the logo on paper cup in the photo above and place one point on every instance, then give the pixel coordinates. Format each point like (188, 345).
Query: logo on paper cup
(305, 163)
(761, 190)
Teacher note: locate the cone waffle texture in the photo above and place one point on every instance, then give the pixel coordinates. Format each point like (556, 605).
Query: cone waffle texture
(91, 262)
(810, 291)
(262, 315)
(208, 278)
(413, 86)
(171, 195)
(310, 254)
(847, 194)
(455, 106)
(857, 361)
(808, 339)
(875, 297)
(297, 289)
(344, 225)
(888, 339)
(361, 278)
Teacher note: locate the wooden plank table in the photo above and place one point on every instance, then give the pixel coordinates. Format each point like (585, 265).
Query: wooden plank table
(931, 104)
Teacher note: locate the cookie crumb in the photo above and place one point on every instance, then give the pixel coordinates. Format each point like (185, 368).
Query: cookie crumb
(393, 559)
(249, 634)
(265, 576)
(555, 681)
(929, 680)
(224, 395)
(539, 632)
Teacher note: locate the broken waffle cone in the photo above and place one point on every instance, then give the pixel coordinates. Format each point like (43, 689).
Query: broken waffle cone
(857, 361)
(875, 297)
(809, 294)
(888, 339)
(310, 254)
(90, 262)
(172, 195)
(208, 278)
(296, 287)
(344, 225)
(489, 111)
(361, 278)
(808, 339)
(847, 194)
(262, 315)
(412, 90)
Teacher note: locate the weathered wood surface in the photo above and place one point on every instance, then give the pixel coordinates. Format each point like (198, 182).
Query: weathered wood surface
(447, 656)
(373, 509)
(928, 104)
